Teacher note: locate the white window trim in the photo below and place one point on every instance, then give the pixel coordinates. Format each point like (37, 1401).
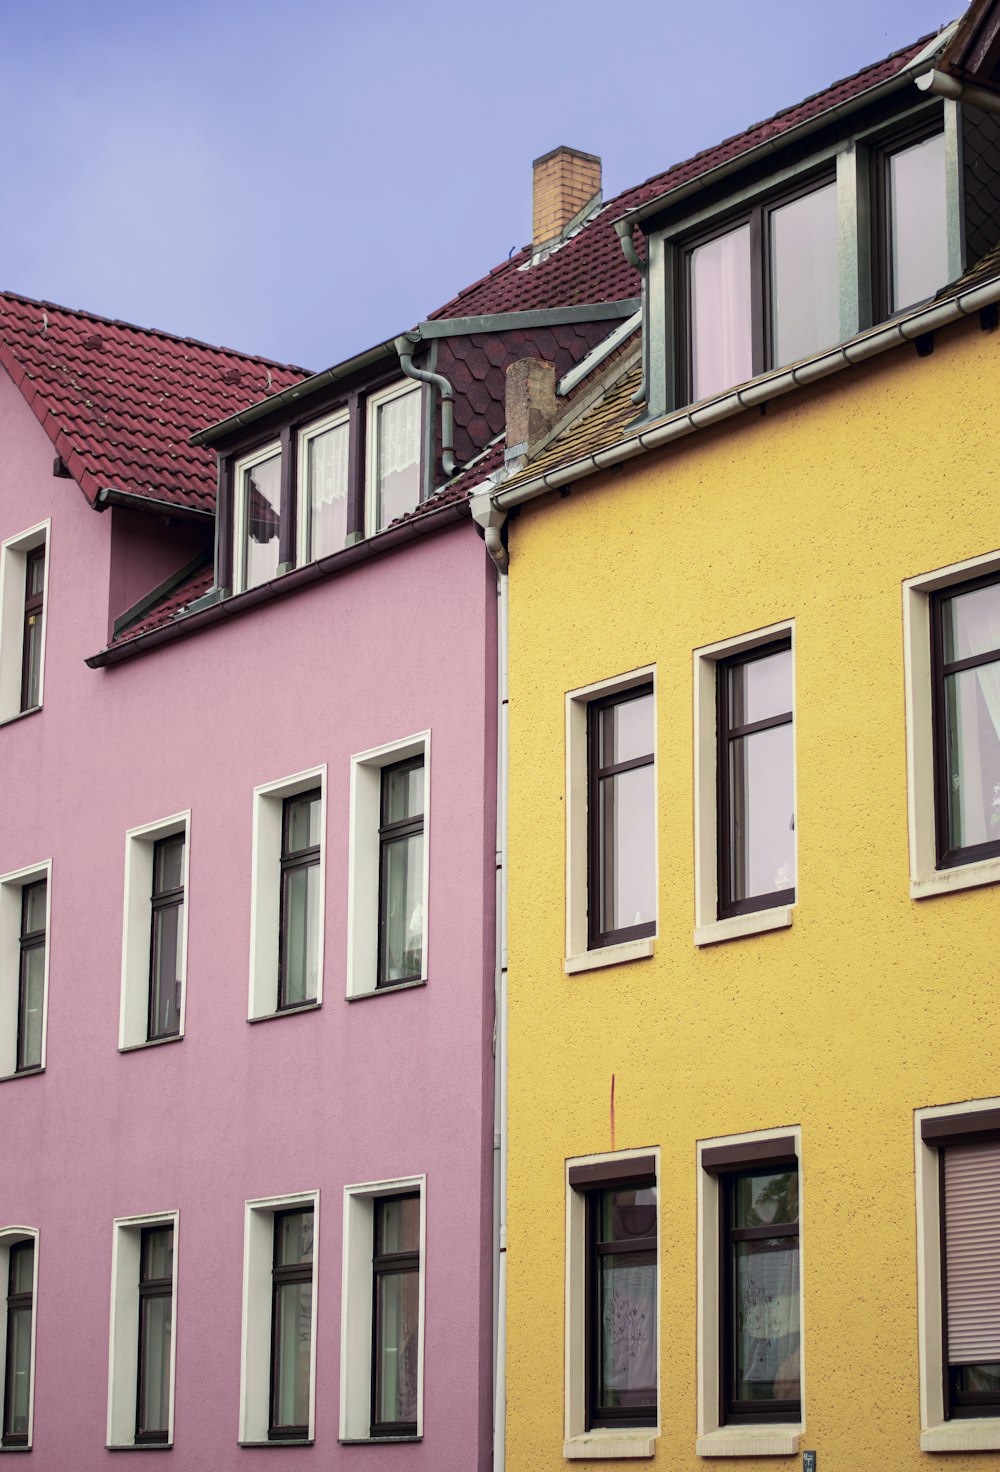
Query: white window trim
(246, 462)
(255, 1332)
(11, 1237)
(13, 558)
(11, 886)
(123, 1341)
(709, 929)
(374, 403)
(978, 1433)
(715, 1440)
(579, 956)
(602, 1443)
(303, 551)
(356, 1306)
(925, 878)
(265, 901)
(133, 1022)
(363, 875)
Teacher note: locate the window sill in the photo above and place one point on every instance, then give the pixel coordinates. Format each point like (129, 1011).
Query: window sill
(8, 1078)
(149, 1043)
(384, 991)
(271, 1017)
(21, 715)
(376, 1440)
(963, 876)
(975, 1434)
(629, 950)
(750, 1441)
(15, 1448)
(737, 926)
(139, 1446)
(282, 1441)
(607, 1445)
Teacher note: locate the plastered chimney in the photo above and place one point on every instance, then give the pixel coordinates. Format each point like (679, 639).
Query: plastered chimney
(531, 406)
(566, 181)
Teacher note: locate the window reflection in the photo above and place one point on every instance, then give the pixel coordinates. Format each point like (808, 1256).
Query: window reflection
(805, 304)
(918, 222)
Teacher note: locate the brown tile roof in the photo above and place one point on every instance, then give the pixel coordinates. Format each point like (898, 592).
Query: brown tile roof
(594, 429)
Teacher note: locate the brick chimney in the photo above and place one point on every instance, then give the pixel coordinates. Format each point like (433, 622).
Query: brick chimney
(566, 181)
(530, 406)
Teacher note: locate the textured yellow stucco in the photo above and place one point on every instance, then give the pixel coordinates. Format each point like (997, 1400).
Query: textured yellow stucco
(870, 1005)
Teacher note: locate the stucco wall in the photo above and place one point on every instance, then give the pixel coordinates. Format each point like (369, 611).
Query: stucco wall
(870, 1005)
(392, 1086)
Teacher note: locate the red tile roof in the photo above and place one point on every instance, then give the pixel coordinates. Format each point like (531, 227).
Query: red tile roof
(119, 402)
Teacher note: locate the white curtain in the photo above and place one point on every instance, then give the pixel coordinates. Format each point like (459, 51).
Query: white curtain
(721, 352)
(399, 434)
(769, 1319)
(328, 466)
(976, 694)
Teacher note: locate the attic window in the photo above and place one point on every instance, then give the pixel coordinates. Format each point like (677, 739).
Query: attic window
(258, 519)
(913, 220)
(393, 454)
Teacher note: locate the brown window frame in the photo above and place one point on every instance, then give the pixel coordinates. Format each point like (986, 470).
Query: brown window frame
(34, 612)
(282, 1273)
(150, 1288)
(597, 938)
(881, 211)
(949, 856)
(164, 899)
(389, 832)
(28, 940)
(385, 1264)
(291, 859)
(15, 1303)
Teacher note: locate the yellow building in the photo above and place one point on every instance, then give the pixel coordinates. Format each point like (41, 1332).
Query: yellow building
(754, 826)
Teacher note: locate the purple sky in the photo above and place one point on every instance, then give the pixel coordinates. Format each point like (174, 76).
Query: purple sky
(306, 178)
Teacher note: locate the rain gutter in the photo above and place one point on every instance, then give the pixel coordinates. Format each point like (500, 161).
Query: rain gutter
(110, 497)
(941, 84)
(406, 346)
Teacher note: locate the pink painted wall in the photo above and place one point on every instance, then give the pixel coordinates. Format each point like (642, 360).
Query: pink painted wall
(146, 549)
(391, 1086)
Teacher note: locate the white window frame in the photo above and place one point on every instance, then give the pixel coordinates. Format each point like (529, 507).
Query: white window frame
(601, 1443)
(255, 1333)
(363, 872)
(962, 1434)
(374, 403)
(265, 903)
(714, 1439)
(12, 1237)
(303, 550)
(579, 957)
(925, 878)
(245, 463)
(13, 563)
(123, 1340)
(709, 929)
(137, 919)
(356, 1307)
(11, 886)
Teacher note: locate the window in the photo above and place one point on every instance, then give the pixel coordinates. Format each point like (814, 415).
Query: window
(257, 518)
(24, 969)
(393, 453)
(154, 933)
(23, 583)
(911, 212)
(750, 1335)
(143, 1331)
(388, 879)
(287, 906)
(382, 1328)
(278, 1374)
(612, 1297)
(17, 1267)
(324, 466)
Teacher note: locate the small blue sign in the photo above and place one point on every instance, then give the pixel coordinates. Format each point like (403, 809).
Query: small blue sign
(808, 1462)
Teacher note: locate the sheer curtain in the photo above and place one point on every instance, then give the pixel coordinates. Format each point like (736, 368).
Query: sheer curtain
(328, 454)
(721, 353)
(974, 706)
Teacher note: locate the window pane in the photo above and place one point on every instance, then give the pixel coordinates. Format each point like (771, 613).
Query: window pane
(154, 1352)
(168, 864)
(158, 1254)
(627, 839)
(326, 470)
(35, 579)
(165, 981)
(302, 822)
(626, 730)
(295, 1238)
(971, 623)
(918, 222)
(398, 449)
(292, 1344)
(764, 1200)
(628, 1214)
(300, 938)
(398, 1225)
(402, 793)
(762, 813)
(760, 688)
(32, 660)
(402, 918)
(972, 736)
(261, 519)
(984, 1379)
(805, 295)
(397, 1309)
(22, 1268)
(627, 1359)
(33, 911)
(766, 1331)
(30, 1019)
(18, 1388)
(721, 335)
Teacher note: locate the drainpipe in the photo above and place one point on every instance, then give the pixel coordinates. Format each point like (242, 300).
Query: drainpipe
(405, 347)
(943, 85)
(624, 229)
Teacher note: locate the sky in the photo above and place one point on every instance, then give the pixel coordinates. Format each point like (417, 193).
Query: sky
(304, 178)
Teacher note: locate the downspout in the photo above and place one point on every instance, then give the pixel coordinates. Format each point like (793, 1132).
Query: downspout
(405, 347)
(943, 85)
(634, 259)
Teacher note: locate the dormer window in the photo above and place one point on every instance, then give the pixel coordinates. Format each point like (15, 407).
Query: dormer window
(257, 518)
(913, 217)
(324, 449)
(393, 454)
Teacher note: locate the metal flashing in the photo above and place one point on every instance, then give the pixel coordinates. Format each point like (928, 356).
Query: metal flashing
(512, 321)
(586, 365)
(149, 600)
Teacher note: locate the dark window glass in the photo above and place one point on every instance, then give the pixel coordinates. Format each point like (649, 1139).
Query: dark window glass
(756, 781)
(401, 873)
(621, 818)
(156, 1288)
(260, 500)
(166, 937)
(31, 654)
(395, 1315)
(917, 221)
(299, 922)
(31, 976)
(966, 669)
(291, 1324)
(17, 1378)
(760, 1308)
(621, 1317)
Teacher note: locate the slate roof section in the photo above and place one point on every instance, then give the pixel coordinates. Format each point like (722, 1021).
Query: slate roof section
(119, 402)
